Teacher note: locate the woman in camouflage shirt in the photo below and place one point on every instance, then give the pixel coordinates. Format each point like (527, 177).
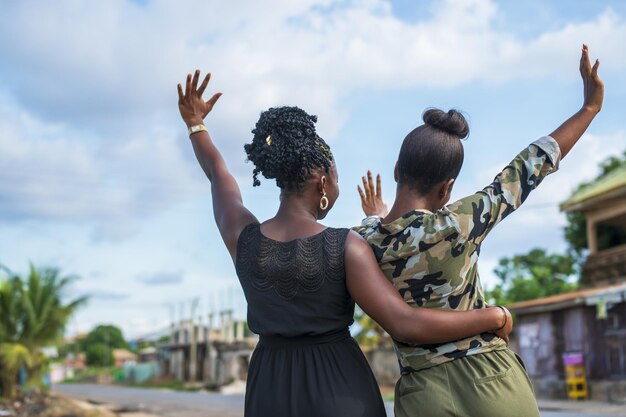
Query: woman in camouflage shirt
(429, 251)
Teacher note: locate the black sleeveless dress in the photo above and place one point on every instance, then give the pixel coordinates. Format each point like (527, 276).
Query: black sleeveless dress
(306, 362)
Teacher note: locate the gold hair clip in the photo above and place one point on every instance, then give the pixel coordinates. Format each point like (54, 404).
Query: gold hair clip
(326, 150)
(268, 139)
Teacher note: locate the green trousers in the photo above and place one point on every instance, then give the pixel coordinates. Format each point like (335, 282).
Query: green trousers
(493, 384)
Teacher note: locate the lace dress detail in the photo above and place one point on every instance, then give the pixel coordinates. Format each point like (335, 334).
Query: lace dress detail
(290, 267)
(306, 364)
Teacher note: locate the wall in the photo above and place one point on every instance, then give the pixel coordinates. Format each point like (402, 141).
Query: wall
(544, 337)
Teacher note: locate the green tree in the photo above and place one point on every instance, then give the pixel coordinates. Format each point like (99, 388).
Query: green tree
(99, 354)
(33, 315)
(533, 275)
(13, 357)
(98, 345)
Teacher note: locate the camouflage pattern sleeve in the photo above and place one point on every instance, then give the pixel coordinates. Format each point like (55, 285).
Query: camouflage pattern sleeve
(477, 214)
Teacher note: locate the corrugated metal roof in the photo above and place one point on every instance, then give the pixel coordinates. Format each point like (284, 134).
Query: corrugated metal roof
(589, 296)
(123, 354)
(605, 185)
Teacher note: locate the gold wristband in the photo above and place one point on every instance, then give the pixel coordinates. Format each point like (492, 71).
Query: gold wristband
(197, 128)
(506, 318)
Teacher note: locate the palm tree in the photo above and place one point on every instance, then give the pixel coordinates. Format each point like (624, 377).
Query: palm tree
(45, 313)
(32, 315)
(13, 357)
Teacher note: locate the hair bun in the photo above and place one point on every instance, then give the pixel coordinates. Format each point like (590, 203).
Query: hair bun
(453, 122)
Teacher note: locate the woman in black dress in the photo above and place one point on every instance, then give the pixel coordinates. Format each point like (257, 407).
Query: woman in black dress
(301, 279)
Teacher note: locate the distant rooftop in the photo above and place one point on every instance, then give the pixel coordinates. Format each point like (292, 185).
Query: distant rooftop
(591, 296)
(611, 185)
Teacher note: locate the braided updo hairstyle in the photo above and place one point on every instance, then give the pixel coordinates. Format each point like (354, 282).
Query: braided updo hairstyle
(286, 147)
(433, 152)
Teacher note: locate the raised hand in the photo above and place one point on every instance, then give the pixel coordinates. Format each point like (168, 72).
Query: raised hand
(372, 199)
(593, 85)
(193, 109)
(570, 131)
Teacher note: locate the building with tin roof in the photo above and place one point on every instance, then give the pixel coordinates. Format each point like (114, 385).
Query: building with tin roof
(592, 320)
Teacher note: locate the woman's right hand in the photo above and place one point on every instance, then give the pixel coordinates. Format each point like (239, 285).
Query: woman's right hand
(507, 326)
(193, 109)
(593, 85)
(372, 198)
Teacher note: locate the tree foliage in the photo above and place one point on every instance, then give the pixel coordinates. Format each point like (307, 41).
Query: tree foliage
(99, 354)
(33, 315)
(13, 356)
(532, 275)
(98, 345)
(105, 334)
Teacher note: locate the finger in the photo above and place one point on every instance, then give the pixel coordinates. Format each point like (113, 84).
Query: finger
(370, 182)
(211, 102)
(181, 96)
(361, 194)
(594, 70)
(365, 187)
(379, 188)
(581, 65)
(585, 65)
(194, 82)
(204, 84)
(188, 86)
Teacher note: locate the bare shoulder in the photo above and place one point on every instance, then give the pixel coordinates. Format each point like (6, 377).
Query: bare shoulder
(356, 246)
(355, 239)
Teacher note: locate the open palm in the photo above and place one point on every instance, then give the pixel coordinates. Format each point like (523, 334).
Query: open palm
(193, 109)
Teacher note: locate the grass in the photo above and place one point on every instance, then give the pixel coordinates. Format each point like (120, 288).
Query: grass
(167, 384)
(84, 375)
(91, 373)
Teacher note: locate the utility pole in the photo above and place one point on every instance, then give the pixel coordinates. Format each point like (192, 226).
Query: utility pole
(193, 350)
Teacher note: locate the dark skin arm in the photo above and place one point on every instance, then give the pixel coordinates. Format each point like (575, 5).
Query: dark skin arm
(373, 292)
(230, 214)
(573, 128)
(566, 135)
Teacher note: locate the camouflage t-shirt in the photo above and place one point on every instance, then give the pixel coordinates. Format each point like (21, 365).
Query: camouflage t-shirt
(431, 258)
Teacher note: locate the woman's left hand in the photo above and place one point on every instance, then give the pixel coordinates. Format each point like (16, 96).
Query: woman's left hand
(193, 109)
(372, 198)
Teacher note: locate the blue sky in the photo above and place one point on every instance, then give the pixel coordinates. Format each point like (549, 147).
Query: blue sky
(97, 176)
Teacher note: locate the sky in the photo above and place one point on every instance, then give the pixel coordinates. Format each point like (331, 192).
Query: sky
(98, 178)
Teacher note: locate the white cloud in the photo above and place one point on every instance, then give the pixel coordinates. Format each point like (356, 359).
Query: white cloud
(99, 80)
(48, 172)
(162, 278)
(89, 130)
(112, 62)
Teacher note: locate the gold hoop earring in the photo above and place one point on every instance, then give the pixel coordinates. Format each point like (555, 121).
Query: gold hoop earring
(324, 201)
